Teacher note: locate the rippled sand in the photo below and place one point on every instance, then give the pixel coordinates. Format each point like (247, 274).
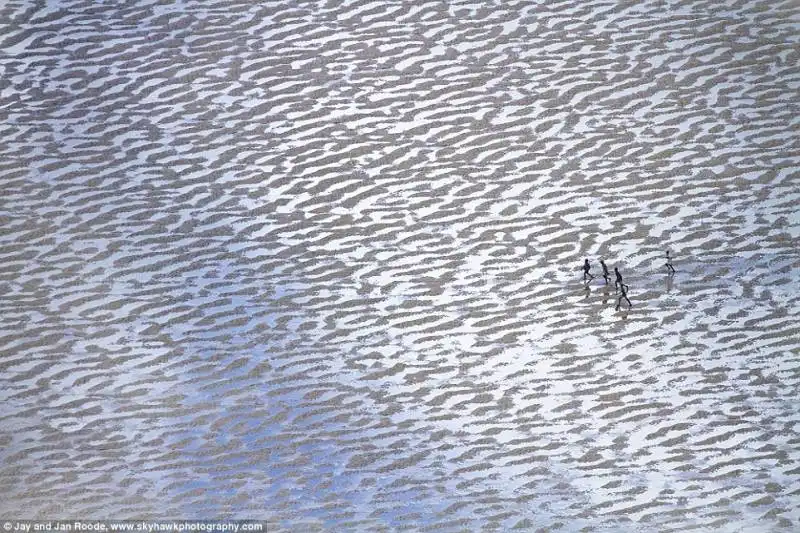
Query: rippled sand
(318, 263)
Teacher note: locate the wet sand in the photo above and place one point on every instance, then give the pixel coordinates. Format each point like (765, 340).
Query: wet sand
(320, 264)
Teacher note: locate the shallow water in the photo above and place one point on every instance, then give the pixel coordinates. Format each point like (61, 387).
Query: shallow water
(318, 263)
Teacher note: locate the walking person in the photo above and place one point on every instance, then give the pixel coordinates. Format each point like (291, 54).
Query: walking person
(586, 271)
(618, 282)
(670, 268)
(624, 290)
(606, 275)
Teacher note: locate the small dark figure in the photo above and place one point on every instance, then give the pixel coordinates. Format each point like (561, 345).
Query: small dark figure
(670, 268)
(619, 279)
(606, 275)
(624, 290)
(586, 268)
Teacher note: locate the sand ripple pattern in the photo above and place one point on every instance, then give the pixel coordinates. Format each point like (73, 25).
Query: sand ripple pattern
(317, 263)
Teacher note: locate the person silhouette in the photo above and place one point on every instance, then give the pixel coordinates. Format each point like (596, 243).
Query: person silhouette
(606, 275)
(618, 282)
(670, 268)
(624, 290)
(586, 268)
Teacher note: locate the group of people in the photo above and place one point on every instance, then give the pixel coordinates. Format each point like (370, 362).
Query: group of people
(619, 285)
